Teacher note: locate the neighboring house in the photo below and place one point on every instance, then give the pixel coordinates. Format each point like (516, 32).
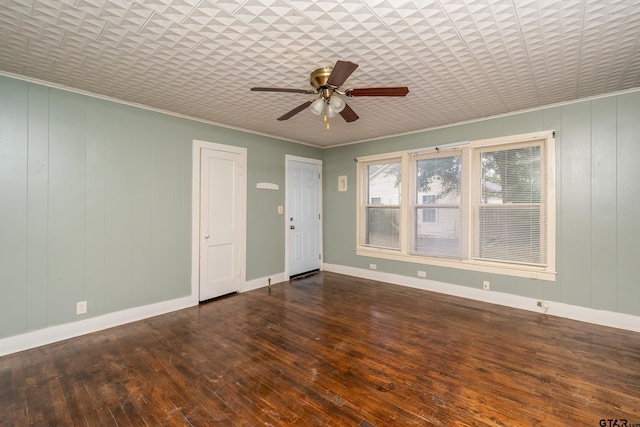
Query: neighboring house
(384, 188)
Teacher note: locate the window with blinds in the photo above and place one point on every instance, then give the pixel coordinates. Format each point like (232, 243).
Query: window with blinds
(484, 205)
(510, 221)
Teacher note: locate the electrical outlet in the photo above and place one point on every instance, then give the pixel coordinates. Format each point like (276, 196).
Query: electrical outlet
(373, 267)
(543, 305)
(81, 307)
(486, 285)
(422, 273)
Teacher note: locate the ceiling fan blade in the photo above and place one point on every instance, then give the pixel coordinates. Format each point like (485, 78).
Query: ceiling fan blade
(282, 89)
(348, 114)
(295, 111)
(378, 91)
(341, 71)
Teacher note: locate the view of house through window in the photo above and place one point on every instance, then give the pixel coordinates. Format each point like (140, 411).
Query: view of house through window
(429, 215)
(486, 205)
(383, 206)
(438, 188)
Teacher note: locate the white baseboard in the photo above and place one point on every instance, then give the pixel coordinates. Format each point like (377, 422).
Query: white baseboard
(574, 312)
(70, 330)
(93, 324)
(57, 333)
(263, 282)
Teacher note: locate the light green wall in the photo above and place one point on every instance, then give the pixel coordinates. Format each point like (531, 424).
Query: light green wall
(598, 202)
(95, 204)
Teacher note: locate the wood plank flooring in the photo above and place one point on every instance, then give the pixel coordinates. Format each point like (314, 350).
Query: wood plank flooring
(331, 350)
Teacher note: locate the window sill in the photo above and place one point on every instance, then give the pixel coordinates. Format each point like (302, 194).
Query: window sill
(530, 272)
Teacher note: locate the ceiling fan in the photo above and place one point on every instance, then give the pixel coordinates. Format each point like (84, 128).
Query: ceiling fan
(327, 82)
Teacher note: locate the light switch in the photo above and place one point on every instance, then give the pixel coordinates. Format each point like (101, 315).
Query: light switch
(280, 209)
(342, 183)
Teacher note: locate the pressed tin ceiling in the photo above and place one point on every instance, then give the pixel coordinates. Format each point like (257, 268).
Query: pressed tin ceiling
(462, 59)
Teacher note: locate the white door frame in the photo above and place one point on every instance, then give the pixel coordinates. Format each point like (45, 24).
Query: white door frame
(287, 159)
(195, 213)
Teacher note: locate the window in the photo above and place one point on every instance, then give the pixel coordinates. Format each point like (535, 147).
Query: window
(509, 209)
(482, 205)
(440, 176)
(383, 205)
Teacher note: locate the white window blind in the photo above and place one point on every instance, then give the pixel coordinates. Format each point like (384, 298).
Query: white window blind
(510, 220)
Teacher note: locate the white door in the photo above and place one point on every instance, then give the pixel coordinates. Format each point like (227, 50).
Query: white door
(303, 211)
(221, 227)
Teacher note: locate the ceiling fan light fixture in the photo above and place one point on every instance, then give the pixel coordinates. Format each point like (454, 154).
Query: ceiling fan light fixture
(331, 112)
(336, 103)
(317, 106)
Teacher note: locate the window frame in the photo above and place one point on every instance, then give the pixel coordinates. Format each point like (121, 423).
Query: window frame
(362, 195)
(416, 157)
(408, 204)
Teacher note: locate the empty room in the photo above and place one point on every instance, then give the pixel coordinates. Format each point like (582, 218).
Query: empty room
(336, 213)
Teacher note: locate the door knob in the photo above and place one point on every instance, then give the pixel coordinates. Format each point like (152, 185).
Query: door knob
(293, 227)
(206, 236)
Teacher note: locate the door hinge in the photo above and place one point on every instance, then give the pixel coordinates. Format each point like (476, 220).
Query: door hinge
(554, 134)
(318, 175)
(240, 170)
(319, 216)
(320, 257)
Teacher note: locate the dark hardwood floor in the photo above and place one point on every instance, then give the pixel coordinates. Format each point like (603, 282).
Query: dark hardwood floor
(331, 350)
